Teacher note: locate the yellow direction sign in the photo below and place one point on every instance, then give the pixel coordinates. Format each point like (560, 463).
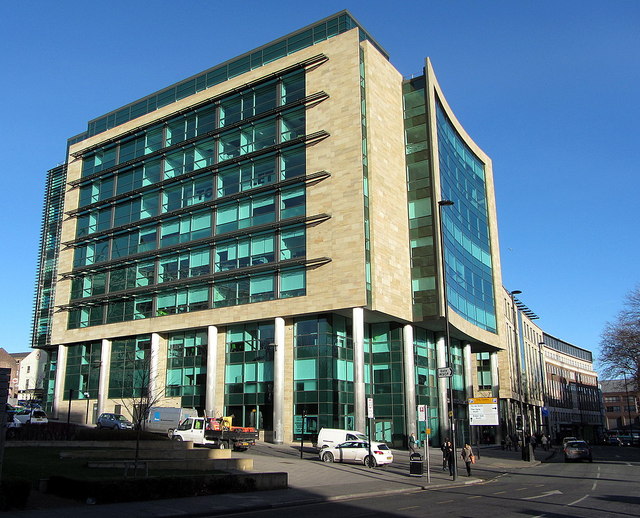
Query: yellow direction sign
(483, 400)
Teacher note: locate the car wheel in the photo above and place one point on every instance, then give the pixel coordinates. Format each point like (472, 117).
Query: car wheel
(223, 445)
(370, 462)
(327, 457)
(177, 438)
(566, 459)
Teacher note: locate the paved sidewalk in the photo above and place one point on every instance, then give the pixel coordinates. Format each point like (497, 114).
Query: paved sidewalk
(310, 481)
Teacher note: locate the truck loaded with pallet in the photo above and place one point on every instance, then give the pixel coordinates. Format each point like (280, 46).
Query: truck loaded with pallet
(215, 432)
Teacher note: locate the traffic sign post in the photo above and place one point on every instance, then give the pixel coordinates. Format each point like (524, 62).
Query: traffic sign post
(445, 372)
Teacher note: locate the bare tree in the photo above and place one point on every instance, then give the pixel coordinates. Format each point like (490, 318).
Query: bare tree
(145, 393)
(620, 345)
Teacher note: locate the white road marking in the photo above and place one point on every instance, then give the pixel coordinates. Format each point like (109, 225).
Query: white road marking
(548, 493)
(579, 500)
(407, 508)
(595, 482)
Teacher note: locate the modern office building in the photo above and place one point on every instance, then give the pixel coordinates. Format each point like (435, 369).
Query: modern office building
(573, 398)
(264, 240)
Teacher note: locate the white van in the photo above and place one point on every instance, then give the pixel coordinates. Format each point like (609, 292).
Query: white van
(333, 437)
(163, 419)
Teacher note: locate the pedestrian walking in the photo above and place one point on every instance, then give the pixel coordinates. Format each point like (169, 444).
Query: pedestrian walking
(449, 456)
(443, 449)
(468, 458)
(412, 443)
(545, 442)
(508, 442)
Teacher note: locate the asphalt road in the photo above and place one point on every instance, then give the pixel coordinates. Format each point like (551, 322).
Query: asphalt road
(607, 487)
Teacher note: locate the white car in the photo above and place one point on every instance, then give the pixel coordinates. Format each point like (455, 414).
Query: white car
(357, 452)
(35, 416)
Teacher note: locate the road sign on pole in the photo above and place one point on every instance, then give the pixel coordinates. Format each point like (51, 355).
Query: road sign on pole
(445, 372)
(370, 408)
(422, 412)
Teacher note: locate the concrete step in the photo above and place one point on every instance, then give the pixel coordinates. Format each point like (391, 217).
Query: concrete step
(244, 464)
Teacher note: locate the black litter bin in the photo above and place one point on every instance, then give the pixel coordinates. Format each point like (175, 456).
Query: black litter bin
(416, 465)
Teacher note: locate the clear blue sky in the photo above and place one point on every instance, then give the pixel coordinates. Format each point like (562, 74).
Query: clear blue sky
(549, 89)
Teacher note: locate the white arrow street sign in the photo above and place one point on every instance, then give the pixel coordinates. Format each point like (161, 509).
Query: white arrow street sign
(445, 372)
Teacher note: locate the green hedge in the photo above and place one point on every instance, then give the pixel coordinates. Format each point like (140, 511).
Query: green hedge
(152, 488)
(14, 493)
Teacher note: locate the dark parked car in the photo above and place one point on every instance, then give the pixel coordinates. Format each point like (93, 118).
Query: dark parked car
(114, 422)
(577, 450)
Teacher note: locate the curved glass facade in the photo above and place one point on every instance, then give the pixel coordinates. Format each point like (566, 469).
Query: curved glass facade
(467, 243)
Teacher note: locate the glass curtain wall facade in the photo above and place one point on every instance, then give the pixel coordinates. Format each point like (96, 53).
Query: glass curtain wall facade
(187, 367)
(164, 214)
(83, 370)
(419, 193)
(48, 257)
(323, 373)
(469, 269)
(248, 393)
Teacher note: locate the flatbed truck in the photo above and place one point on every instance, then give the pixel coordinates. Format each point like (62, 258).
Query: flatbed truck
(211, 432)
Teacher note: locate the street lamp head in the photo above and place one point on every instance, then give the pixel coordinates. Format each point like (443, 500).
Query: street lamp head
(443, 203)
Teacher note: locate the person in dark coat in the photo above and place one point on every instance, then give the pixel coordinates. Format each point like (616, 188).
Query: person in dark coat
(448, 455)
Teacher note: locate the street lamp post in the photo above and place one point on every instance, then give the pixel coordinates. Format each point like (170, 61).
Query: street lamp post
(450, 406)
(626, 388)
(519, 366)
(543, 382)
(86, 417)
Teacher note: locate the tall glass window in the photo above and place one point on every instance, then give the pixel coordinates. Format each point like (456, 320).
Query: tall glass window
(83, 371)
(323, 373)
(187, 367)
(423, 271)
(249, 374)
(130, 367)
(469, 267)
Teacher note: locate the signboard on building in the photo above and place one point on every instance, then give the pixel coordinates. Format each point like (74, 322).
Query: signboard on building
(483, 411)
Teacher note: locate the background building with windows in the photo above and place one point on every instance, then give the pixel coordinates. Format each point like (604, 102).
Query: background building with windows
(621, 405)
(263, 240)
(573, 398)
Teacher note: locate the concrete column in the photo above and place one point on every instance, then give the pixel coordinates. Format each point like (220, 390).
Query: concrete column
(212, 364)
(105, 371)
(154, 380)
(278, 382)
(495, 392)
(358, 370)
(495, 380)
(467, 358)
(61, 369)
(409, 381)
(443, 412)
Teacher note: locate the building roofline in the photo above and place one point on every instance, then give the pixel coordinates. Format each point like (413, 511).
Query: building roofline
(344, 12)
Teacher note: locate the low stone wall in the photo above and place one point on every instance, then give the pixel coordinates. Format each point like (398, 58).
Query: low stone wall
(145, 453)
(244, 464)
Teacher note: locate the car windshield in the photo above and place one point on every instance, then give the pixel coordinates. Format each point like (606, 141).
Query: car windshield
(382, 446)
(39, 413)
(120, 418)
(577, 444)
